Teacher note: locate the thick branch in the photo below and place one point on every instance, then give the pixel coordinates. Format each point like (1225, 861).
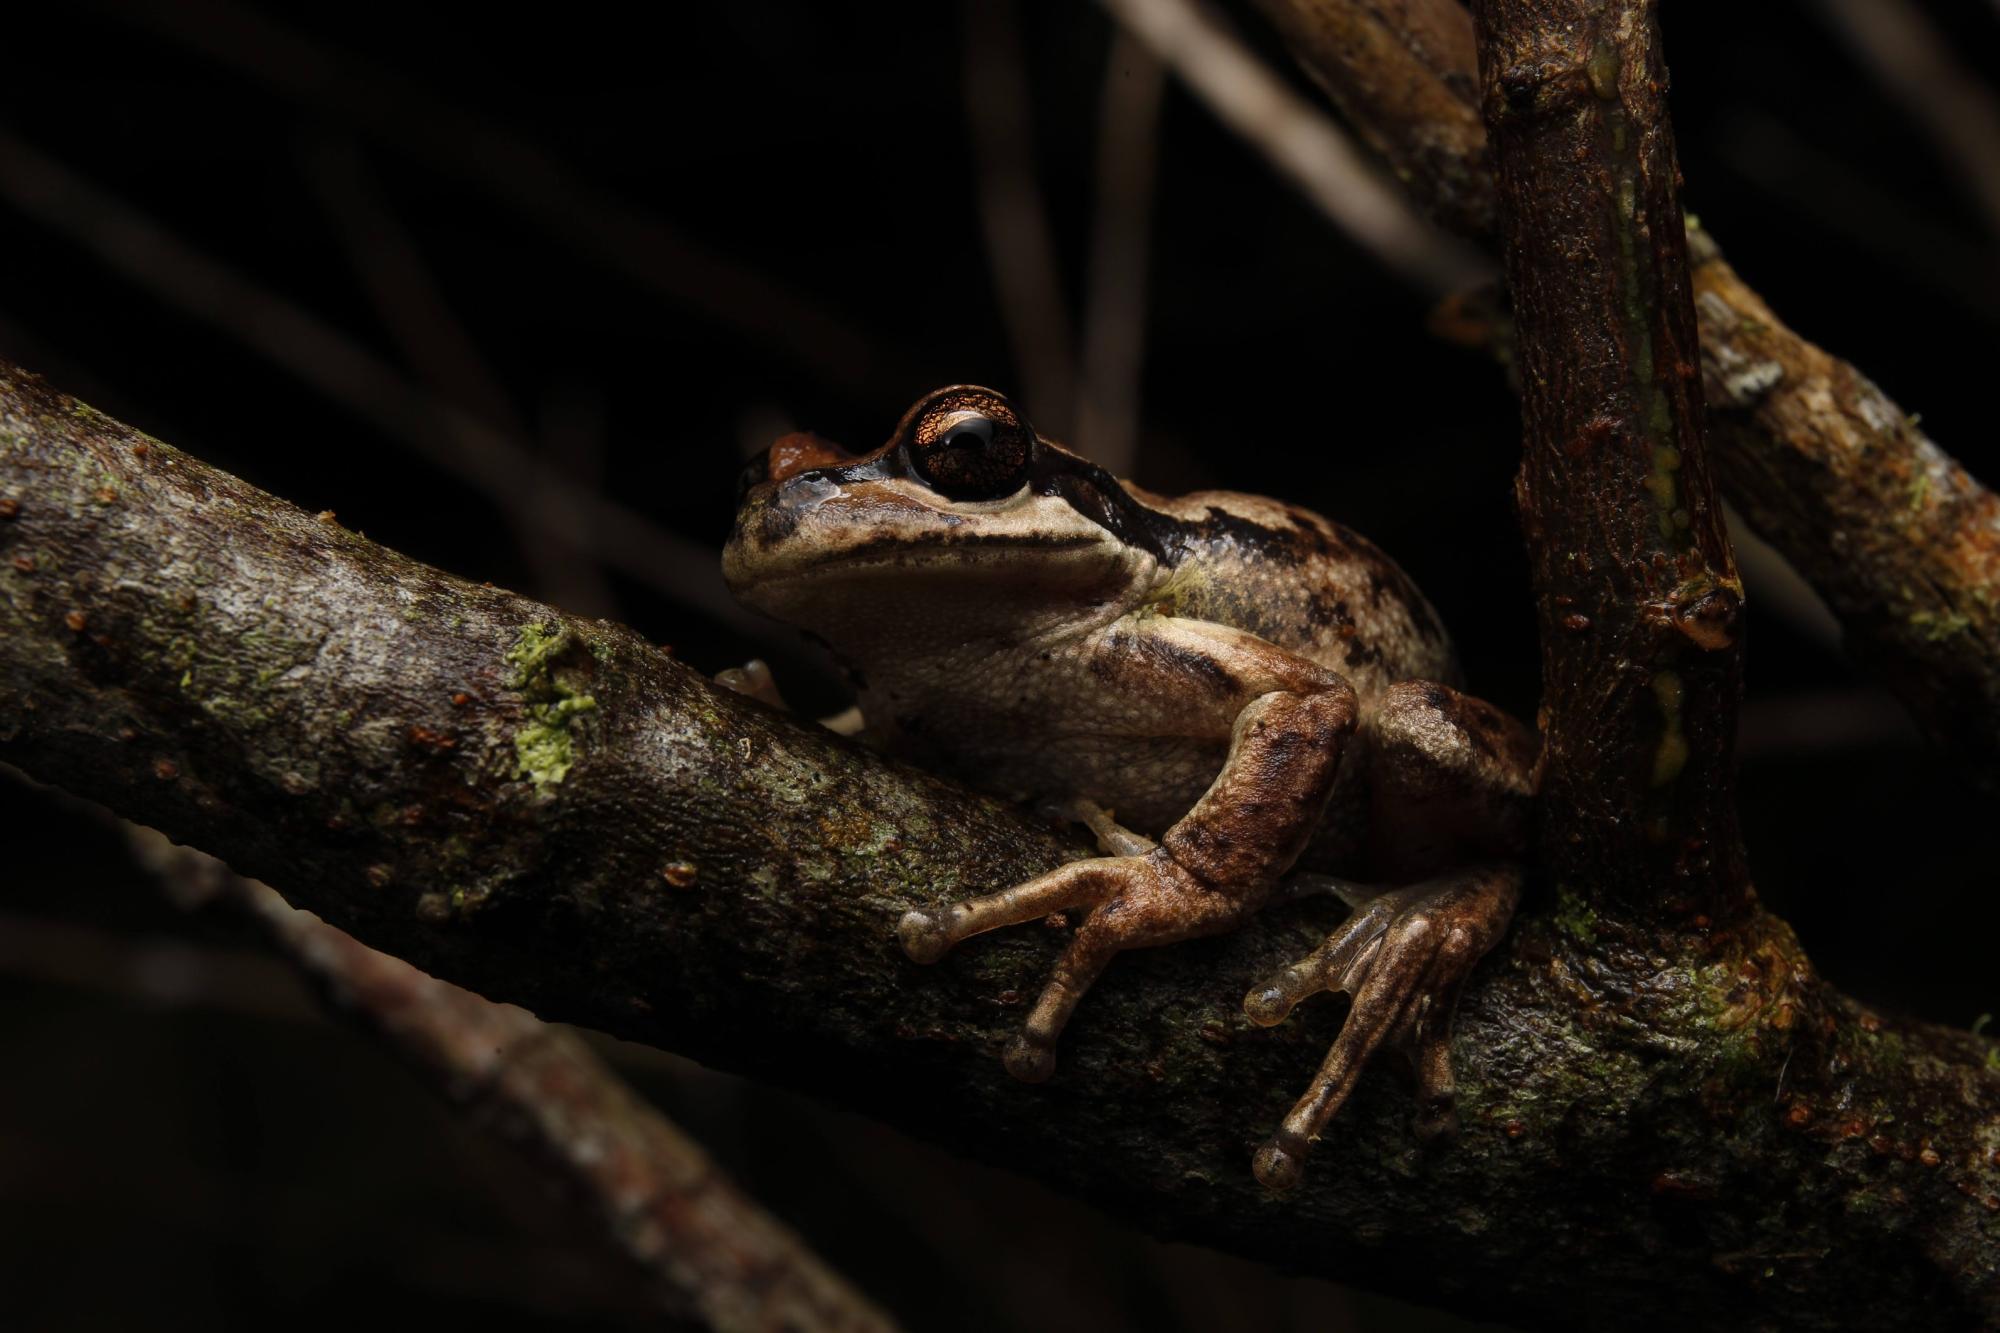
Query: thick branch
(552, 812)
(1899, 540)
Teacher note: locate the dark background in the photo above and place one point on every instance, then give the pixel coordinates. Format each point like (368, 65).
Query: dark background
(644, 249)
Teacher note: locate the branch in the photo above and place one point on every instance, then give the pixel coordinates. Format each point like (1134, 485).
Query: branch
(1636, 590)
(1299, 142)
(553, 813)
(535, 492)
(708, 1249)
(535, 185)
(1899, 540)
(1912, 61)
(1013, 212)
(1114, 312)
(1403, 73)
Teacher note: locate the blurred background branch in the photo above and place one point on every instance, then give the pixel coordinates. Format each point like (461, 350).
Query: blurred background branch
(712, 1255)
(1301, 143)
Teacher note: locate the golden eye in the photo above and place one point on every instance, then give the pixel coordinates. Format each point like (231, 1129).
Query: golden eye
(971, 456)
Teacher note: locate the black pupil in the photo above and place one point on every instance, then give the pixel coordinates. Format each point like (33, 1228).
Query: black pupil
(975, 458)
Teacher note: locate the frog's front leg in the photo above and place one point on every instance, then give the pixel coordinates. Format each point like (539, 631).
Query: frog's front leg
(1453, 780)
(1219, 862)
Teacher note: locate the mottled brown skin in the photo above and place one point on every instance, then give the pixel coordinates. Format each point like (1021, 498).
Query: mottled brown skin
(1256, 687)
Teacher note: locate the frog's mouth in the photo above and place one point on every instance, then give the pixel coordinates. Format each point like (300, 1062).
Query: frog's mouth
(930, 554)
(895, 544)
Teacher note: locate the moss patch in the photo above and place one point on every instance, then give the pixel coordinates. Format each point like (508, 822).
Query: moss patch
(1574, 915)
(545, 746)
(1670, 755)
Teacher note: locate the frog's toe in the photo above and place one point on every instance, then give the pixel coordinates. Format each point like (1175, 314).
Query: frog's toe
(1279, 1164)
(928, 934)
(1139, 902)
(924, 935)
(1404, 958)
(1113, 838)
(1347, 951)
(1030, 1060)
(754, 679)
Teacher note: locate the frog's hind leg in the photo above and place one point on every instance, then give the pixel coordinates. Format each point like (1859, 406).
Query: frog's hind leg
(1404, 958)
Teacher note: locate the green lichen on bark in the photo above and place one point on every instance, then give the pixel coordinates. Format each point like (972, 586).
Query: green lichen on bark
(545, 745)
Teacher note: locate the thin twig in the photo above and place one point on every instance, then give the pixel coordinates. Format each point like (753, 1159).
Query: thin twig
(571, 439)
(1636, 589)
(502, 468)
(1301, 143)
(1114, 329)
(408, 300)
(1013, 213)
(663, 1202)
(1770, 581)
(1826, 193)
(536, 185)
(1911, 60)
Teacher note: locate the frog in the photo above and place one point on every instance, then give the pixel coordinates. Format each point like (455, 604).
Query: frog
(1244, 702)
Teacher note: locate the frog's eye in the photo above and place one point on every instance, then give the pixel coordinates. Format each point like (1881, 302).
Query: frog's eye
(972, 456)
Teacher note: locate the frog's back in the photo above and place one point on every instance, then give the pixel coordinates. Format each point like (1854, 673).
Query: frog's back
(1303, 582)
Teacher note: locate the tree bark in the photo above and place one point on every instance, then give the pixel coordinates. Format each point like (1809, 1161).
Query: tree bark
(553, 812)
(1636, 590)
(1899, 540)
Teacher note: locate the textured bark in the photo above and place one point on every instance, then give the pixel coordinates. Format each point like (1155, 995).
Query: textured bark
(1636, 591)
(552, 812)
(1901, 542)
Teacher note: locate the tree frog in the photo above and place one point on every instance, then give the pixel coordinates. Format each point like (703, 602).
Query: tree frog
(1227, 689)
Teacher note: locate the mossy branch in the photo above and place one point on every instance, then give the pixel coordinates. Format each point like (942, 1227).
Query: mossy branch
(712, 877)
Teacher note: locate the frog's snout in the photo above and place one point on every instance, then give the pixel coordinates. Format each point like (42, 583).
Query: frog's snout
(769, 510)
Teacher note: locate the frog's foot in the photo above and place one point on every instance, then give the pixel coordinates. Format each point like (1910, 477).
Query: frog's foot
(1403, 956)
(754, 679)
(1134, 902)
